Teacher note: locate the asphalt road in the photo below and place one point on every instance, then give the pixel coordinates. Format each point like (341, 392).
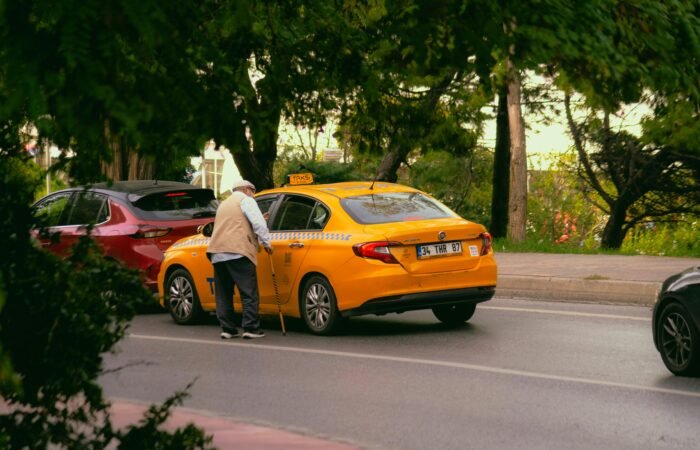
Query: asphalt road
(521, 374)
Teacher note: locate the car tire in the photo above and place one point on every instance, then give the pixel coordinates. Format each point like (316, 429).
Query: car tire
(182, 301)
(679, 340)
(319, 307)
(454, 314)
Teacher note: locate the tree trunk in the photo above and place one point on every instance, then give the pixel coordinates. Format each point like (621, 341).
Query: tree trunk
(256, 165)
(389, 166)
(614, 231)
(126, 163)
(140, 168)
(501, 171)
(517, 203)
(113, 169)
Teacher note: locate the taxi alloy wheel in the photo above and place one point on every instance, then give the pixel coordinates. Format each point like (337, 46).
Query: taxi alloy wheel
(182, 299)
(318, 306)
(679, 341)
(454, 314)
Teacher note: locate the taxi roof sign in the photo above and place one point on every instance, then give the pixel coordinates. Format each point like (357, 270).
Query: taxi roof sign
(295, 179)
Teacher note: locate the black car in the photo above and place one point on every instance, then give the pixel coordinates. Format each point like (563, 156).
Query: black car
(676, 322)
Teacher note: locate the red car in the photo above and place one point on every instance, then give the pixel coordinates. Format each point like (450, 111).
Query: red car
(134, 221)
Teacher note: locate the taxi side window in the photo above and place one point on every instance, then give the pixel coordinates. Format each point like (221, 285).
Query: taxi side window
(298, 213)
(265, 203)
(88, 208)
(53, 211)
(319, 217)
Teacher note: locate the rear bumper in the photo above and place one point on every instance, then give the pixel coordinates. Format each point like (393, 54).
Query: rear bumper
(423, 300)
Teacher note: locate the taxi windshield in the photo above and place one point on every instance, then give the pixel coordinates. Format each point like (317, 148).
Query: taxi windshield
(391, 207)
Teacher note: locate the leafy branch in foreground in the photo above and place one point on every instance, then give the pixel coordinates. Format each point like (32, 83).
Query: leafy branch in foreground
(59, 317)
(148, 435)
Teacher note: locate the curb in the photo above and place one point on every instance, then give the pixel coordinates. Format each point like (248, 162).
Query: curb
(577, 289)
(228, 432)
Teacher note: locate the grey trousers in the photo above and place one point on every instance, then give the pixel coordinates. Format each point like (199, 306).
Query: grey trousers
(236, 272)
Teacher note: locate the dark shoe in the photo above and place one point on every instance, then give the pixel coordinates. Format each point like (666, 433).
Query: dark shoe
(226, 335)
(253, 334)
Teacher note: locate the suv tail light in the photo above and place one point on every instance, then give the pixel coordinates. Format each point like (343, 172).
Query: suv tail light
(486, 241)
(150, 232)
(376, 250)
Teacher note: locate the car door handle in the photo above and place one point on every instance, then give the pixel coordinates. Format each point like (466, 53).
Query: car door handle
(296, 245)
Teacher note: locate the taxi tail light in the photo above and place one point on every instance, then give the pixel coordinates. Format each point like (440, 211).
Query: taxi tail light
(486, 241)
(376, 250)
(150, 232)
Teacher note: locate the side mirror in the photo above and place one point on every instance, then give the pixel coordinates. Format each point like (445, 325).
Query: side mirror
(206, 229)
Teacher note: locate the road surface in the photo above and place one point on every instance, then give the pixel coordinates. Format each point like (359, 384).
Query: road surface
(520, 374)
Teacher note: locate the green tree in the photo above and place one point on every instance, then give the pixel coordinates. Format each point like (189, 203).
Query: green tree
(134, 85)
(323, 172)
(444, 117)
(423, 82)
(652, 178)
(462, 182)
(114, 82)
(272, 61)
(58, 318)
(109, 81)
(611, 52)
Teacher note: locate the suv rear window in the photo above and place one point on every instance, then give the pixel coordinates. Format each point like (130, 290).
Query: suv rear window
(177, 205)
(394, 207)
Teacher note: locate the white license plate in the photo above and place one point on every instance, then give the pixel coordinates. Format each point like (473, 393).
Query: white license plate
(436, 250)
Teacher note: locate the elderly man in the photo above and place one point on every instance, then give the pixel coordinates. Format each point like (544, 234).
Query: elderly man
(233, 250)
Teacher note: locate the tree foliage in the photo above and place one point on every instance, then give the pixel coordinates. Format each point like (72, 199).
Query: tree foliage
(138, 83)
(634, 180)
(323, 172)
(107, 80)
(57, 319)
(423, 87)
(133, 87)
(462, 182)
(610, 51)
(271, 61)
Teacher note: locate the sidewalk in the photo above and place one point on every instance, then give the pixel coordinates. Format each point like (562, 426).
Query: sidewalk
(589, 278)
(564, 277)
(227, 433)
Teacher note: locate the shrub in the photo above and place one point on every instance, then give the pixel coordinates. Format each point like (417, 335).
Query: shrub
(664, 239)
(58, 318)
(558, 213)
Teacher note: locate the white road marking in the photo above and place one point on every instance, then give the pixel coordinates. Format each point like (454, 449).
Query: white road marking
(428, 362)
(566, 313)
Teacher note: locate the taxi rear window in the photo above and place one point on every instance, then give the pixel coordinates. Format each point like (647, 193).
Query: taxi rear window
(177, 205)
(394, 207)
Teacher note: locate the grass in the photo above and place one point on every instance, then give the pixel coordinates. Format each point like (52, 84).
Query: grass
(536, 245)
(595, 276)
(667, 247)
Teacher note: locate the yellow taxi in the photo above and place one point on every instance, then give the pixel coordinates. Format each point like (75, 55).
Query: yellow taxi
(343, 250)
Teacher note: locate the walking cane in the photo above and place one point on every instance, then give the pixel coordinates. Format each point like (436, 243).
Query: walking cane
(277, 295)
